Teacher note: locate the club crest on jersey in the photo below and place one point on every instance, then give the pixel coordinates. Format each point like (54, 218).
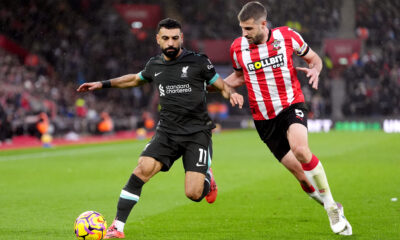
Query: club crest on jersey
(274, 62)
(276, 45)
(184, 72)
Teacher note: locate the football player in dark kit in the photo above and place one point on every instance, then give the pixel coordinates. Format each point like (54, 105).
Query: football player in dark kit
(184, 129)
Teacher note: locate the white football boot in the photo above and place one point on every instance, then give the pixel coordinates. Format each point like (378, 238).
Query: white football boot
(348, 231)
(336, 219)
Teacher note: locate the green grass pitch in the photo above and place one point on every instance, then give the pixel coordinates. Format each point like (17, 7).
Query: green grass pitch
(42, 191)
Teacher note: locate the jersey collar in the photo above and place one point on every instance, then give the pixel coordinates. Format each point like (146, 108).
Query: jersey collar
(270, 38)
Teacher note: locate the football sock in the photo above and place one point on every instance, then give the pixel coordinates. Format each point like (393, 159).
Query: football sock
(128, 198)
(315, 173)
(119, 225)
(206, 188)
(312, 193)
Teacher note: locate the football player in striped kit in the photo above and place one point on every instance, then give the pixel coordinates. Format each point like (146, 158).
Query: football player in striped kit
(262, 60)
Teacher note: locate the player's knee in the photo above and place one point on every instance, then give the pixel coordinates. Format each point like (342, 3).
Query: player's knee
(144, 169)
(302, 153)
(193, 194)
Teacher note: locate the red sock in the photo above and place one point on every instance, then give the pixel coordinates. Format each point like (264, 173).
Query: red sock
(311, 165)
(307, 189)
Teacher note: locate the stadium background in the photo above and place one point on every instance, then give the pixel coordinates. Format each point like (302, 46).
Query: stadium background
(48, 48)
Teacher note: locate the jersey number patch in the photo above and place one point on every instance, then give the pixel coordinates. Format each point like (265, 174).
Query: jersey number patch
(202, 158)
(299, 113)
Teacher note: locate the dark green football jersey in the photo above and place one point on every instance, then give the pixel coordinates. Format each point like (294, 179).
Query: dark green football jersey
(182, 87)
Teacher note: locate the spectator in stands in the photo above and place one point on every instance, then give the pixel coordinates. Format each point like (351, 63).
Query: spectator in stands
(72, 35)
(106, 124)
(42, 125)
(5, 127)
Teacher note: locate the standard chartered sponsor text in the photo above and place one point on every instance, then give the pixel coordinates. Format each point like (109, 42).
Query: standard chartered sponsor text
(182, 88)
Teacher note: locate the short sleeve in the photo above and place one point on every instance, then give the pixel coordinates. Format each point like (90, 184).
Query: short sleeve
(234, 59)
(208, 71)
(145, 74)
(300, 47)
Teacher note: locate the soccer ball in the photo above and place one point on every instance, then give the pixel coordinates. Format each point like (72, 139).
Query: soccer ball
(90, 225)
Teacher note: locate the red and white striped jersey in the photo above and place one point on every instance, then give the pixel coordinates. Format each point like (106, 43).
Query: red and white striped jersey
(270, 76)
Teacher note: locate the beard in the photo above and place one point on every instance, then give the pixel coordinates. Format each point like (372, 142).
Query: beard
(171, 54)
(256, 39)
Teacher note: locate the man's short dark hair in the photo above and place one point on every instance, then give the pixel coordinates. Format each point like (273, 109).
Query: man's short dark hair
(253, 10)
(168, 23)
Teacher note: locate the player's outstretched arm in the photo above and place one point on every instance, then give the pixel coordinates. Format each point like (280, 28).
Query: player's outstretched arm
(228, 92)
(315, 66)
(129, 80)
(236, 79)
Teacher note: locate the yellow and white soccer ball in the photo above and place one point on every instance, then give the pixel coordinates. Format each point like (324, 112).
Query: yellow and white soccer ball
(90, 225)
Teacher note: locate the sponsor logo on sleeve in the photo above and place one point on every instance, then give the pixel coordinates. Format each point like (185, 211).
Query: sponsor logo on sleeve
(210, 65)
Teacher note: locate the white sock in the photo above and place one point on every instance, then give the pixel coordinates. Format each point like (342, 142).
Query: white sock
(315, 173)
(310, 190)
(315, 195)
(119, 225)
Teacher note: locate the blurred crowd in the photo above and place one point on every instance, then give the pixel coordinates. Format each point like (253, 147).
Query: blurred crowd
(76, 41)
(217, 19)
(71, 42)
(373, 80)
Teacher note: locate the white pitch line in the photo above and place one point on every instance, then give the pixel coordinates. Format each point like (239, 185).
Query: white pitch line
(68, 152)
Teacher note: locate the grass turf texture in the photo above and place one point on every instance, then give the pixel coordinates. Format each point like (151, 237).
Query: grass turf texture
(42, 191)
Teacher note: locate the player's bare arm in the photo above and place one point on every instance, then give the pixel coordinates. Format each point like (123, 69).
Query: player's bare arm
(125, 81)
(236, 79)
(315, 66)
(228, 93)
